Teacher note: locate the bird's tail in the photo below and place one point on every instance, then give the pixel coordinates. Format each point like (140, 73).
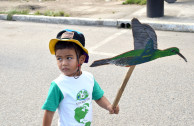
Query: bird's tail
(100, 62)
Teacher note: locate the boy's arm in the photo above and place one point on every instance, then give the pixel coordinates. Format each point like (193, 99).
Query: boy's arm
(48, 117)
(104, 103)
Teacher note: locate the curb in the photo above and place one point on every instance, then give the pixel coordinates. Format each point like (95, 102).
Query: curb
(171, 26)
(164, 26)
(3, 16)
(66, 20)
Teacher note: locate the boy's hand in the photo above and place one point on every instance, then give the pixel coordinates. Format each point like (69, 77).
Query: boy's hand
(113, 110)
(104, 103)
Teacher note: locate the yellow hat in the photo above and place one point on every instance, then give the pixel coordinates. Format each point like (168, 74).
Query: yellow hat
(68, 35)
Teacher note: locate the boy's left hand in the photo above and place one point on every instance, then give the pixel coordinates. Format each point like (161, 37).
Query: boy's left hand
(113, 110)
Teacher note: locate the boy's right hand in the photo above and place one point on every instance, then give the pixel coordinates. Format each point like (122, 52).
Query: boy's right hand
(113, 110)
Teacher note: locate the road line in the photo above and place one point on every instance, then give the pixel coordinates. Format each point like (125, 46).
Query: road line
(107, 40)
(102, 53)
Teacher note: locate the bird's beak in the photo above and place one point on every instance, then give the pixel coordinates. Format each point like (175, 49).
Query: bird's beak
(181, 56)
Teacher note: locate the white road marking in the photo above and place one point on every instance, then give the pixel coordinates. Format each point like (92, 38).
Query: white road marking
(103, 53)
(91, 50)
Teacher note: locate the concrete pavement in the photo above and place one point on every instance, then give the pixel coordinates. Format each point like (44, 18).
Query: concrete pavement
(178, 16)
(159, 93)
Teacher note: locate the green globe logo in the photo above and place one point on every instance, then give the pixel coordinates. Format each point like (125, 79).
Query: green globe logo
(82, 95)
(80, 114)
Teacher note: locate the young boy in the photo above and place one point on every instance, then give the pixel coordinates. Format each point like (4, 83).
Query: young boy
(73, 91)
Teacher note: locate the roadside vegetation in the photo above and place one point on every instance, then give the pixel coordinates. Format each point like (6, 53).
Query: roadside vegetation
(27, 12)
(12, 12)
(52, 13)
(30, 10)
(140, 2)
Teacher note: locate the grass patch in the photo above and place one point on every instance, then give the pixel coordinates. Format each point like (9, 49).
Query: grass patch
(27, 12)
(12, 12)
(37, 13)
(52, 13)
(140, 2)
(2, 12)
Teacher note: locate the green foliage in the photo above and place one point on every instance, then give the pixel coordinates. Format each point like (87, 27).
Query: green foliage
(140, 2)
(67, 15)
(9, 17)
(12, 12)
(48, 13)
(52, 13)
(59, 13)
(26, 12)
(37, 13)
(55, 13)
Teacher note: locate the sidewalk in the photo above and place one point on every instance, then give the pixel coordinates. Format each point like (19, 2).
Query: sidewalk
(178, 16)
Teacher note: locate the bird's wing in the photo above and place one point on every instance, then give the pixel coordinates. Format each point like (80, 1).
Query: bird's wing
(149, 49)
(124, 61)
(142, 33)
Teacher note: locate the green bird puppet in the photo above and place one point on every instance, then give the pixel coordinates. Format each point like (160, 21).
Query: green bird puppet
(145, 48)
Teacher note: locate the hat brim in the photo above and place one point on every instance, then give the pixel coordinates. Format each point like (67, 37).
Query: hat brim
(54, 41)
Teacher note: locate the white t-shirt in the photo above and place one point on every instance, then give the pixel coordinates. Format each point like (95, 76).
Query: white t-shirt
(73, 98)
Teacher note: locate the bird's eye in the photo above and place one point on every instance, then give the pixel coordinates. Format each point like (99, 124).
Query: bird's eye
(172, 50)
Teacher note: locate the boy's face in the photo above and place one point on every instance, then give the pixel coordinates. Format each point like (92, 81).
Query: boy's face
(67, 61)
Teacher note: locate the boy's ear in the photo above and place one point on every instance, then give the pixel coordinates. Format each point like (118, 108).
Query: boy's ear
(82, 59)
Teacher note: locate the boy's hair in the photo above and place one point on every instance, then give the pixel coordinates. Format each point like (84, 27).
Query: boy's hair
(69, 45)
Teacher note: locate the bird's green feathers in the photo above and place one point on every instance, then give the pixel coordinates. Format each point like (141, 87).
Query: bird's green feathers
(131, 53)
(164, 53)
(145, 43)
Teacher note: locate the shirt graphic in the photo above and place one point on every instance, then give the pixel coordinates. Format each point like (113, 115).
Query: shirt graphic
(81, 111)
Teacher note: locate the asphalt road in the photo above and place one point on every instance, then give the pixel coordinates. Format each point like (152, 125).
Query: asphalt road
(158, 93)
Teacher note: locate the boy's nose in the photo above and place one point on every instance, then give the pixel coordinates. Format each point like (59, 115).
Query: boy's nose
(64, 63)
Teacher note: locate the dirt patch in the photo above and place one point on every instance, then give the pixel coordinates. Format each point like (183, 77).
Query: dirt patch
(100, 9)
(72, 7)
(29, 7)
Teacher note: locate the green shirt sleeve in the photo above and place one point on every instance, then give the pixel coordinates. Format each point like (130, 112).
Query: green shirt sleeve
(54, 98)
(97, 91)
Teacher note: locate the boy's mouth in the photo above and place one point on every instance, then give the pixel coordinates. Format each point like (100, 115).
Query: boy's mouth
(65, 69)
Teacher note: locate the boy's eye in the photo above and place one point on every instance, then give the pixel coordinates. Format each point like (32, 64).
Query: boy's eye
(59, 59)
(69, 58)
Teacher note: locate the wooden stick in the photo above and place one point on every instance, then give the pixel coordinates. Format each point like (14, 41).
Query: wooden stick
(120, 91)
